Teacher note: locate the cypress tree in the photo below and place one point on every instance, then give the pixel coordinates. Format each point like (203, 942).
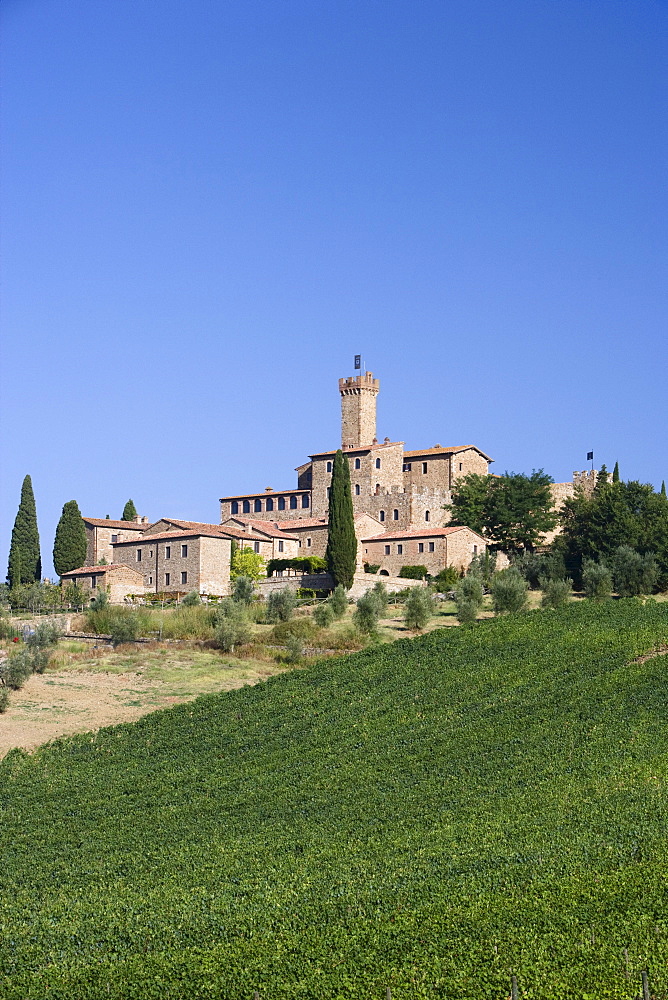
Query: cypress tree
(25, 563)
(69, 547)
(129, 511)
(615, 473)
(663, 488)
(341, 552)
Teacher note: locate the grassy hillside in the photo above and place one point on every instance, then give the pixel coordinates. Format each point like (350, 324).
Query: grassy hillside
(427, 815)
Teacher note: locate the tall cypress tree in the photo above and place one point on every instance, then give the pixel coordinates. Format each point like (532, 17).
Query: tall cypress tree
(615, 473)
(341, 552)
(69, 547)
(25, 563)
(663, 488)
(129, 511)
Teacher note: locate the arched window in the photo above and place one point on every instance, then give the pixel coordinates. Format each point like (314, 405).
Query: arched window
(270, 503)
(246, 507)
(257, 506)
(293, 503)
(357, 489)
(329, 466)
(306, 500)
(358, 464)
(395, 514)
(281, 503)
(426, 515)
(381, 516)
(234, 507)
(378, 463)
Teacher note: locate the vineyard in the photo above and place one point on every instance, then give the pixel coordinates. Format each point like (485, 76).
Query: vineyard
(430, 816)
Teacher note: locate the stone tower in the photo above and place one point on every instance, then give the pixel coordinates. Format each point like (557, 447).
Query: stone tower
(358, 410)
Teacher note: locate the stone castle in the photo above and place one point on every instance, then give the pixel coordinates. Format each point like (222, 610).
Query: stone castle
(400, 501)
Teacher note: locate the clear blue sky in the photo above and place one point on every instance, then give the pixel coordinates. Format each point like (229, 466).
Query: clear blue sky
(210, 207)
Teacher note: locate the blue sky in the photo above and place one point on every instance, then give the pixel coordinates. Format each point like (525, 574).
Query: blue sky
(210, 207)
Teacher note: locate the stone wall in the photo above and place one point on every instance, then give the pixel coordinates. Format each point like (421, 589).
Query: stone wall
(206, 563)
(98, 539)
(358, 409)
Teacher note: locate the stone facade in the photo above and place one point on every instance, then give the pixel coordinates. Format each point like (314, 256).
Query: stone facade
(358, 410)
(119, 581)
(435, 549)
(101, 533)
(264, 537)
(268, 505)
(178, 561)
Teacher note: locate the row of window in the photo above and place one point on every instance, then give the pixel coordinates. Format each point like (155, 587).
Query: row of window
(282, 504)
(168, 579)
(358, 464)
(168, 553)
(400, 548)
(395, 515)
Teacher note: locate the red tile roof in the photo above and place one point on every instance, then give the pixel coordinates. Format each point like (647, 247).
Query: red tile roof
(420, 533)
(89, 570)
(438, 450)
(160, 535)
(355, 451)
(274, 493)
(302, 522)
(103, 522)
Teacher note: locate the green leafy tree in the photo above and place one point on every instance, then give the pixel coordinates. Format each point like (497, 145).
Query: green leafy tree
(69, 547)
(483, 565)
(514, 510)
(663, 487)
(129, 511)
(341, 554)
(596, 580)
(556, 592)
(379, 590)
(509, 591)
(632, 573)
(367, 613)
(418, 609)
(323, 615)
(247, 563)
(25, 563)
(338, 601)
(280, 605)
(244, 589)
(468, 598)
(615, 473)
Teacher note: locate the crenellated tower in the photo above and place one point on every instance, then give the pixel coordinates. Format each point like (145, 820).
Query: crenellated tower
(358, 410)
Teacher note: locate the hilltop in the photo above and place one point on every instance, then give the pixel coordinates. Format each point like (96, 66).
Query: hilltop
(427, 815)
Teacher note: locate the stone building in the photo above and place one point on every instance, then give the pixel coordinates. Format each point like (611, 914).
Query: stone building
(117, 580)
(101, 534)
(434, 548)
(179, 560)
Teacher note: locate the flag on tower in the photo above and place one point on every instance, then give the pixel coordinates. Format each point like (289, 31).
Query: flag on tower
(590, 456)
(358, 361)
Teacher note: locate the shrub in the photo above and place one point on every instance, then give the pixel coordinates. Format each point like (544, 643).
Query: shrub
(323, 615)
(483, 565)
(596, 580)
(509, 591)
(367, 613)
(467, 611)
(556, 593)
(338, 601)
(632, 573)
(189, 622)
(447, 578)
(537, 566)
(231, 632)
(371, 567)
(468, 598)
(191, 600)
(17, 669)
(244, 589)
(40, 660)
(280, 605)
(379, 590)
(418, 609)
(101, 600)
(301, 628)
(44, 634)
(4, 699)
(413, 572)
(124, 629)
(295, 648)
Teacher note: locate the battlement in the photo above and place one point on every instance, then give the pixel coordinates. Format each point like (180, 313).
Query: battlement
(358, 410)
(358, 383)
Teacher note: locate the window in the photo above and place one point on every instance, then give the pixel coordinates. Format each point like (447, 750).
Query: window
(234, 507)
(357, 489)
(475, 550)
(329, 466)
(168, 552)
(329, 492)
(424, 468)
(150, 579)
(293, 503)
(387, 550)
(400, 550)
(257, 506)
(305, 500)
(138, 555)
(308, 543)
(150, 555)
(280, 546)
(114, 539)
(184, 577)
(420, 546)
(407, 466)
(461, 466)
(358, 464)
(184, 551)
(246, 507)
(256, 546)
(426, 515)
(281, 503)
(93, 583)
(378, 463)
(381, 515)
(167, 579)
(431, 546)
(270, 503)
(395, 514)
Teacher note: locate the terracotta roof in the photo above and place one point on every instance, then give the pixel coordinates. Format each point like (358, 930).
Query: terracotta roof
(210, 533)
(354, 451)
(89, 570)
(274, 493)
(302, 522)
(420, 533)
(437, 450)
(103, 522)
(270, 528)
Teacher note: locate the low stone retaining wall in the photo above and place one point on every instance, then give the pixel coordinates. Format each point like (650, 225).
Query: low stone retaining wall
(323, 581)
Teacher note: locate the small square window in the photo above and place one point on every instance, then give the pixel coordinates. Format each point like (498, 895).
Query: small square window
(400, 550)
(387, 550)
(168, 552)
(280, 546)
(431, 546)
(256, 546)
(407, 466)
(138, 555)
(308, 543)
(114, 539)
(184, 577)
(93, 583)
(475, 550)
(420, 546)
(167, 579)
(184, 551)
